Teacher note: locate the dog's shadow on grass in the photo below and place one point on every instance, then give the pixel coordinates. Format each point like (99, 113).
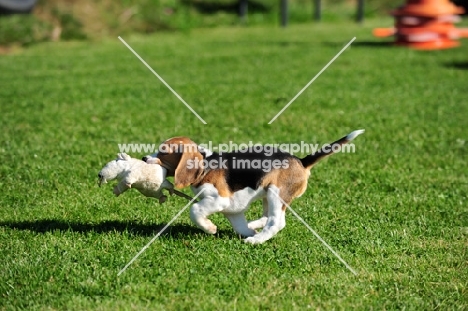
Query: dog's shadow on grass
(457, 65)
(178, 231)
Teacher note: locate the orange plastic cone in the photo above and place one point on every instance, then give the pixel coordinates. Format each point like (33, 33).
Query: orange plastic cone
(425, 25)
(429, 8)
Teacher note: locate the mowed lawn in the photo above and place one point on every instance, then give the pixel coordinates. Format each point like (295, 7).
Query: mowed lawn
(395, 210)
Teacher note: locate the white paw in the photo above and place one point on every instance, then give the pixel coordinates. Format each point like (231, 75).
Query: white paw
(253, 240)
(211, 229)
(255, 225)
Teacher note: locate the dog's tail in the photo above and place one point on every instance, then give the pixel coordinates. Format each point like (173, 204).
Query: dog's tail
(329, 149)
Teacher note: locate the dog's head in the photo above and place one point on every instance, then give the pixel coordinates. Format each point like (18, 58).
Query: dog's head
(114, 168)
(182, 158)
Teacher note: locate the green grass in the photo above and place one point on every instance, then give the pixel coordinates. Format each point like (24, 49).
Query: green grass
(396, 210)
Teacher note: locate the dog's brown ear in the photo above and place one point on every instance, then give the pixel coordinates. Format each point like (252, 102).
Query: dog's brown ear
(190, 167)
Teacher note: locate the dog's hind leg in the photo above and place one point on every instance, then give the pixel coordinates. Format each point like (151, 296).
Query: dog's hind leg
(261, 222)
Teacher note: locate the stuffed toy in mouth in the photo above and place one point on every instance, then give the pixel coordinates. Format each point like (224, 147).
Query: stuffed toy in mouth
(148, 179)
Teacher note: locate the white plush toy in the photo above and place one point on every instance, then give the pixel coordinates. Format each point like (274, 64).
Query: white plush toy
(149, 179)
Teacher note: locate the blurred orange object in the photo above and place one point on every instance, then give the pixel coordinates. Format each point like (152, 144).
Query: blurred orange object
(383, 32)
(425, 25)
(429, 8)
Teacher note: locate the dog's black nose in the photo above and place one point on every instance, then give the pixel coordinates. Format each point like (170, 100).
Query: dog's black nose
(145, 158)
(99, 175)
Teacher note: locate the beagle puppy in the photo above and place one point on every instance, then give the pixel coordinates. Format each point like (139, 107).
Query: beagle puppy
(231, 181)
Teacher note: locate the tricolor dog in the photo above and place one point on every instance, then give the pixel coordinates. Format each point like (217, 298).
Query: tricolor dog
(231, 181)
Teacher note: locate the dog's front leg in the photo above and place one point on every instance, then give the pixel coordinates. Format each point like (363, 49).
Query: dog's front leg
(261, 222)
(239, 223)
(201, 210)
(276, 218)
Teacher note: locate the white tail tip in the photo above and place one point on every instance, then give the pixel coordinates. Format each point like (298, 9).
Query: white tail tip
(354, 134)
